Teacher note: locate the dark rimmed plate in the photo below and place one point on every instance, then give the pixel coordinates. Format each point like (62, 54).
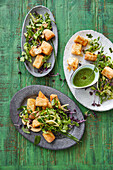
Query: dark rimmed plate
(20, 98)
(41, 10)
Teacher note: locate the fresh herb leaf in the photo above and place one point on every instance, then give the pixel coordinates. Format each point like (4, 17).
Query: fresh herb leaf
(25, 130)
(89, 35)
(110, 49)
(37, 140)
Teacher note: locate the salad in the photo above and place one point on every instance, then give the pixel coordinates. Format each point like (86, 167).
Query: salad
(94, 53)
(104, 87)
(49, 117)
(37, 50)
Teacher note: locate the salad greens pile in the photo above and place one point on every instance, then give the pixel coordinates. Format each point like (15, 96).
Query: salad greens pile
(34, 36)
(104, 87)
(55, 119)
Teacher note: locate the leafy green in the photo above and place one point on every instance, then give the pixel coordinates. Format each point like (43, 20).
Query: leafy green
(94, 45)
(25, 130)
(104, 85)
(89, 35)
(37, 140)
(110, 49)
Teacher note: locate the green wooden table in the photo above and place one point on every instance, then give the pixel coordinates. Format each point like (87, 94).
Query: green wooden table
(96, 149)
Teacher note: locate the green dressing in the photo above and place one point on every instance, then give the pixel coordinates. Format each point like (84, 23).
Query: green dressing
(83, 77)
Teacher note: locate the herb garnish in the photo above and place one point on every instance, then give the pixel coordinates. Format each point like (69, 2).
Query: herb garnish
(110, 49)
(94, 45)
(25, 130)
(89, 35)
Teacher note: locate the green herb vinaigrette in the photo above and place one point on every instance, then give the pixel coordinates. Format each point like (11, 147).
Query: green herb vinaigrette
(83, 77)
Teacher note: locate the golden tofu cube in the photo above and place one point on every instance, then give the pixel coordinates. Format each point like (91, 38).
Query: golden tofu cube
(46, 48)
(34, 51)
(49, 136)
(108, 72)
(31, 106)
(38, 61)
(81, 40)
(41, 95)
(41, 102)
(90, 56)
(36, 123)
(76, 49)
(73, 63)
(48, 34)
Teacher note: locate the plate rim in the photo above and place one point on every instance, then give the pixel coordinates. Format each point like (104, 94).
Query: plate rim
(22, 33)
(74, 143)
(65, 72)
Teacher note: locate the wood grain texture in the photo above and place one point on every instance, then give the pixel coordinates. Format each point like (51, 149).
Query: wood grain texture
(96, 149)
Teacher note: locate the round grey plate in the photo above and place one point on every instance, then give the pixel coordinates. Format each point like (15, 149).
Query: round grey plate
(61, 142)
(29, 66)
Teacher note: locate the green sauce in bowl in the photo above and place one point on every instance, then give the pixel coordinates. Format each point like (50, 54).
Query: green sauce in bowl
(83, 77)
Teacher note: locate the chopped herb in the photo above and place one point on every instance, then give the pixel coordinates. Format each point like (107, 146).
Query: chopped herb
(89, 35)
(110, 49)
(94, 45)
(25, 130)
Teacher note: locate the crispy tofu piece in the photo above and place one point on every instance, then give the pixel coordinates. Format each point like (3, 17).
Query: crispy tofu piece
(41, 95)
(34, 51)
(49, 136)
(90, 56)
(108, 72)
(36, 123)
(73, 63)
(38, 62)
(46, 48)
(31, 106)
(48, 34)
(76, 49)
(41, 102)
(81, 40)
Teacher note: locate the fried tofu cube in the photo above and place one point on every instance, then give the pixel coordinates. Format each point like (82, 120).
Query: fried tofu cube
(81, 40)
(38, 61)
(48, 34)
(49, 136)
(90, 56)
(73, 63)
(46, 48)
(41, 95)
(108, 72)
(41, 102)
(31, 106)
(34, 51)
(36, 123)
(76, 49)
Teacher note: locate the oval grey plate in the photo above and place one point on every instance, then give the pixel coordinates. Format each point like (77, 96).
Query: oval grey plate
(41, 10)
(20, 98)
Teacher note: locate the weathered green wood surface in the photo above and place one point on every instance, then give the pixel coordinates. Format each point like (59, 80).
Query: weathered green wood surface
(96, 149)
